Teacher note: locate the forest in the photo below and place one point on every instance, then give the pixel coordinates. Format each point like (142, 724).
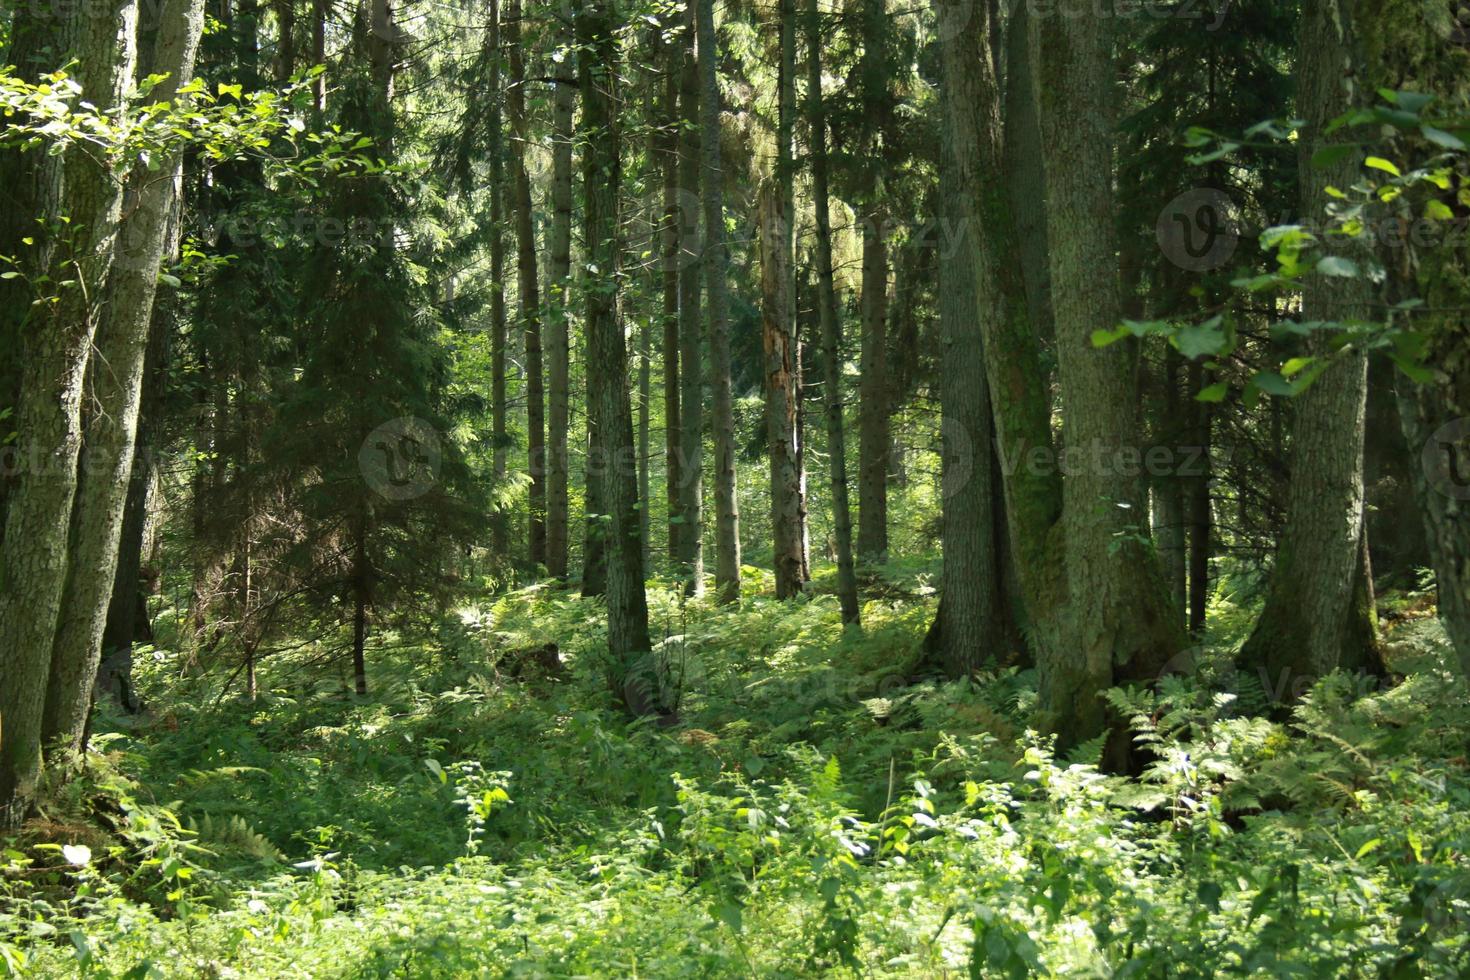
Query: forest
(768, 488)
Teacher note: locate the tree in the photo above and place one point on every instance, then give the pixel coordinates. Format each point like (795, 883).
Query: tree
(528, 284)
(559, 268)
(831, 326)
(631, 670)
(1307, 627)
(116, 387)
(972, 617)
(689, 257)
(56, 350)
(716, 262)
(782, 353)
(875, 437)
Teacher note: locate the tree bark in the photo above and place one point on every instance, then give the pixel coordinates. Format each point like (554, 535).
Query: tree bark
(559, 268)
(666, 154)
(688, 256)
(527, 283)
(972, 615)
(633, 671)
(1307, 623)
(1119, 622)
(831, 325)
(116, 388)
(875, 436)
(499, 438)
(55, 351)
(716, 266)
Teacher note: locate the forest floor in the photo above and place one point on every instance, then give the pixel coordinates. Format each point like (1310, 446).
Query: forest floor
(817, 810)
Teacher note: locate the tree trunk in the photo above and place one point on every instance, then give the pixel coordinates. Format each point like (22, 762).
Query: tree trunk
(1025, 170)
(687, 258)
(633, 671)
(55, 352)
(1307, 624)
(499, 437)
(1201, 514)
(1405, 45)
(666, 155)
(832, 361)
(1119, 622)
(558, 337)
(116, 389)
(780, 372)
(716, 266)
(530, 298)
(874, 433)
(972, 616)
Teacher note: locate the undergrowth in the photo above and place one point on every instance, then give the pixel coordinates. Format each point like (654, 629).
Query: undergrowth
(822, 807)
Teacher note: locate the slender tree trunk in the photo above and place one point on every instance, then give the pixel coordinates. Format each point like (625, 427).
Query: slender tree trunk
(55, 351)
(530, 298)
(558, 520)
(716, 265)
(499, 438)
(634, 675)
(361, 597)
(778, 314)
(1201, 513)
(319, 13)
(666, 154)
(875, 437)
(688, 258)
(780, 353)
(1421, 47)
(831, 325)
(116, 389)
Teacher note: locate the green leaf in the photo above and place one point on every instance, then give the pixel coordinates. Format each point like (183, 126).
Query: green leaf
(1438, 136)
(1369, 847)
(1336, 265)
(1213, 393)
(1378, 163)
(1202, 339)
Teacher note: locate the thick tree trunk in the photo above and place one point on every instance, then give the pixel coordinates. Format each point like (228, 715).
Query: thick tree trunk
(633, 671)
(875, 436)
(716, 265)
(116, 389)
(55, 351)
(559, 267)
(1118, 622)
(832, 362)
(972, 619)
(1025, 169)
(688, 260)
(528, 287)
